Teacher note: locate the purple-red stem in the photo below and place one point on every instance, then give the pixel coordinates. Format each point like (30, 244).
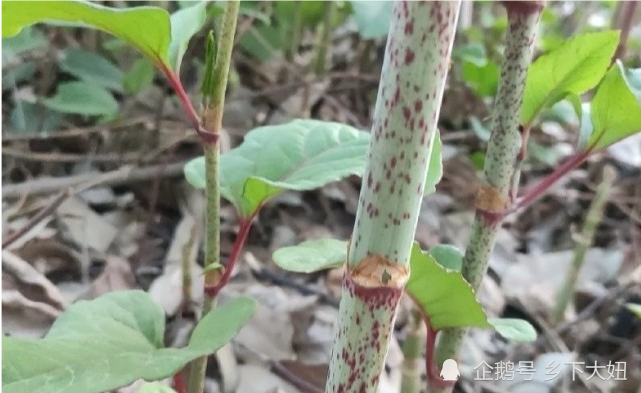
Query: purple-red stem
(431, 368)
(244, 227)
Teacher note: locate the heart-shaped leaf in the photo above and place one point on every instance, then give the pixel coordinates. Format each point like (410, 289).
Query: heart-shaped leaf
(184, 24)
(147, 28)
(299, 155)
(312, 255)
(514, 329)
(443, 295)
(109, 342)
(572, 68)
(615, 110)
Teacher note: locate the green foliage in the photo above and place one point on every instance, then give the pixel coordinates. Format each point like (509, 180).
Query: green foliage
(109, 342)
(447, 256)
(615, 109)
(155, 387)
(82, 98)
(92, 68)
(300, 155)
(573, 68)
(372, 17)
(444, 296)
(139, 76)
(514, 329)
(312, 255)
(185, 23)
(147, 28)
(483, 79)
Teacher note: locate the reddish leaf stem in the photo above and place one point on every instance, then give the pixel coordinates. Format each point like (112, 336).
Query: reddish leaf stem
(179, 382)
(245, 225)
(544, 185)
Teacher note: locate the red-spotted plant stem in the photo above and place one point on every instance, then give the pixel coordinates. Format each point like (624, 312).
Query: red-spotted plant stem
(413, 78)
(501, 160)
(213, 102)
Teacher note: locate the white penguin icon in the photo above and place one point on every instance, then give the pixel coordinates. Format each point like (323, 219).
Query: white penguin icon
(450, 370)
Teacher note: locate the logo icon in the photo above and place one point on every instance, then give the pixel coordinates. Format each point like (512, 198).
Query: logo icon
(450, 370)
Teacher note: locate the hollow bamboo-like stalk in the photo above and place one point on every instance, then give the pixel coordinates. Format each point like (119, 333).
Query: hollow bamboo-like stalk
(415, 67)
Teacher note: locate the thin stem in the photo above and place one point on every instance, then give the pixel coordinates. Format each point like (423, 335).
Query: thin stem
(585, 239)
(214, 101)
(413, 354)
(296, 31)
(241, 238)
(502, 154)
(324, 37)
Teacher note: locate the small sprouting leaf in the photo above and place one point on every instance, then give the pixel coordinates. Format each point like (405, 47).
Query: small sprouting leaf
(299, 155)
(147, 28)
(155, 387)
(207, 86)
(82, 98)
(312, 255)
(106, 343)
(572, 68)
(514, 329)
(435, 167)
(184, 24)
(443, 294)
(372, 17)
(93, 68)
(447, 256)
(616, 111)
(635, 309)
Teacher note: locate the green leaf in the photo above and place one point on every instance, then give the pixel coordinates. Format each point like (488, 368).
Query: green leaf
(299, 155)
(312, 255)
(616, 111)
(82, 98)
(139, 77)
(435, 168)
(109, 342)
(372, 17)
(635, 309)
(483, 79)
(155, 387)
(147, 28)
(28, 39)
(444, 296)
(185, 23)
(573, 68)
(514, 329)
(447, 256)
(30, 118)
(92, 68)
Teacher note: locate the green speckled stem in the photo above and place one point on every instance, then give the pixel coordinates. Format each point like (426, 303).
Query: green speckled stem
(409, 100)
(412, 82)
(502, 152)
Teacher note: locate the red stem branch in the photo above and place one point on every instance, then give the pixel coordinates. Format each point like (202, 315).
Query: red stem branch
(544, 185)
(241, 238)
(175, 83)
